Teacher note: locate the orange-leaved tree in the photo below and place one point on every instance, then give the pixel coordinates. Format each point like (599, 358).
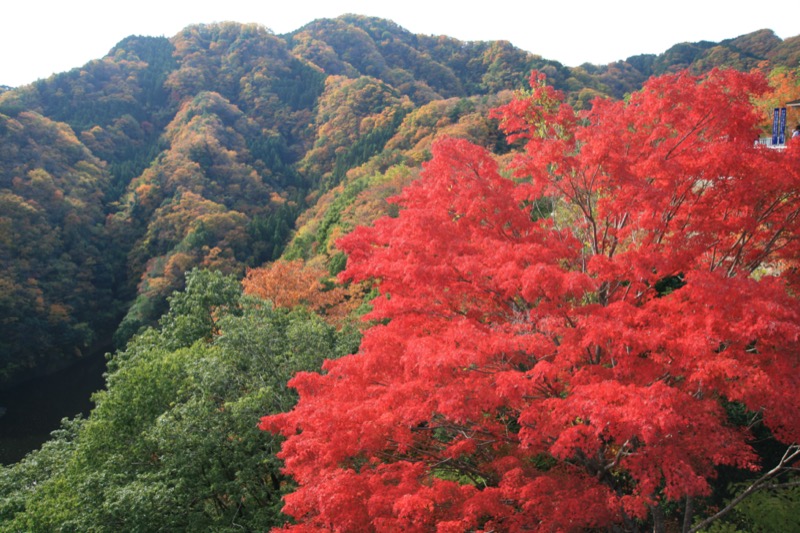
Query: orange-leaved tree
(292, 283)
(557, 350)
(785, 88)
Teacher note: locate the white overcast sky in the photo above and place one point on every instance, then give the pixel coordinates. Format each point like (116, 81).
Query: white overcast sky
(38, 37)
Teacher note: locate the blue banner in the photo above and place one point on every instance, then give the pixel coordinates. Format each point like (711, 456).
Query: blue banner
(776, 113)
(782, 127)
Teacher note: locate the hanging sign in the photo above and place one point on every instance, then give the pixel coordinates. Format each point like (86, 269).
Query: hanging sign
(778, 126)
(782, 127)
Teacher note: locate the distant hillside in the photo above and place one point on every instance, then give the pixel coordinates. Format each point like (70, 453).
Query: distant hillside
(204, 149)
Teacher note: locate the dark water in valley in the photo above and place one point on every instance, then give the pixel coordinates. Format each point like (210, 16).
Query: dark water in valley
(35, 408)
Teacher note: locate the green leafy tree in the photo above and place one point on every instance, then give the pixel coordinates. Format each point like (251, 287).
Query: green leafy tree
(173, 442)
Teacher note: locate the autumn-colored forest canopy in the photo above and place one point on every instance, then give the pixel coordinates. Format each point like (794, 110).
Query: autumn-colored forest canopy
(550, 303)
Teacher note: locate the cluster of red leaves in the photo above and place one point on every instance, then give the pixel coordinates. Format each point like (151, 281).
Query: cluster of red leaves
(533, 372)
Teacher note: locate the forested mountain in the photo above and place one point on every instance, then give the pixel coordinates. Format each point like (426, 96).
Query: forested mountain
(202, 149)
(189, 202)
(56, 284)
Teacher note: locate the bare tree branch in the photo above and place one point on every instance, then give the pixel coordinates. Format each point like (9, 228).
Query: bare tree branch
(792, 453)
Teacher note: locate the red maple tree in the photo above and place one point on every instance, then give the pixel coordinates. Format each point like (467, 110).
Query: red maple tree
(556, 348)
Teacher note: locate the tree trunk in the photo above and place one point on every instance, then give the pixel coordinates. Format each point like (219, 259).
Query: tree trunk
(687, 515)
(658, 519)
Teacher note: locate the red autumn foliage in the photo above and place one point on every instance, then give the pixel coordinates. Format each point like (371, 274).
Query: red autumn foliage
(564, 369)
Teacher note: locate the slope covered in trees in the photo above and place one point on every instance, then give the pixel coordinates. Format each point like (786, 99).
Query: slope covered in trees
(57, 275)
(212, 142)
